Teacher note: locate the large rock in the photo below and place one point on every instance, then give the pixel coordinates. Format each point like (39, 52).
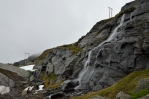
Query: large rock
(98, 97)
(4, 90)
(142, 84)
(5, 81)
(49, 69)
(32, 78)
(145, 97)
(122, 95)
(20, 72)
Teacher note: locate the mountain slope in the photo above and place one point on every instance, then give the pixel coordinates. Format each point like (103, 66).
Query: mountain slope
(112, 49)
(127, 84)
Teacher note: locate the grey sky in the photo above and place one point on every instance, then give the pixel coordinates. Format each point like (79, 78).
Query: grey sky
(36, 25)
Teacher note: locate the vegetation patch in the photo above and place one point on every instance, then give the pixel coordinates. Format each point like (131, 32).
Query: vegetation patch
(76, 43)
(140, 94)
(72, 47)
(107, 20)
(46, 52)
(50, 80)
(126, 84)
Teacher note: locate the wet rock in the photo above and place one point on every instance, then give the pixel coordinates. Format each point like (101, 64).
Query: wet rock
(4, 80)
(69, 85)
(98, 97)
(58, 95)
(49, 69)
(145, 46)
(4, 90)
(24, 92)
(145, 97)
(14, 69)
(137, 52)
(32, 78)
(142, 84)
(122, 95)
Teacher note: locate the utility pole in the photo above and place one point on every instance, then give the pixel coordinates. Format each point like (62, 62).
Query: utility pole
(110, 12)
(26, 58)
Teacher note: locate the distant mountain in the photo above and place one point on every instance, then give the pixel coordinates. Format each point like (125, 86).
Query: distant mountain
(30, 60)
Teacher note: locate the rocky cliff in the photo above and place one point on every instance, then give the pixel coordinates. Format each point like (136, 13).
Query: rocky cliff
(12, 78)
(112, 49)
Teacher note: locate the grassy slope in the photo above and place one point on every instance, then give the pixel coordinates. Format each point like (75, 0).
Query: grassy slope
(73, 48)
(126, 84)
(52, 77)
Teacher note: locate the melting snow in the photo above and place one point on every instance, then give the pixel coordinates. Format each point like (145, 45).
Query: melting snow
(41, 87)
(28, 67)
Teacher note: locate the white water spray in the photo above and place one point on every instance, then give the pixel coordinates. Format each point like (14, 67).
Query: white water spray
(131, 15)
(86, 65)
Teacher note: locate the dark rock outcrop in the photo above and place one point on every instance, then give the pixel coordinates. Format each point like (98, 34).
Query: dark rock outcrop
(12, 77)
(110, 60)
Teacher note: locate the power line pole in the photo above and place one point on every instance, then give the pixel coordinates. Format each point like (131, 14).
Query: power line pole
(26, 57)
(110, 12)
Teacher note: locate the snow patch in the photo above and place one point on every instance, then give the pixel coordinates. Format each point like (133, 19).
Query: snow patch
(28, 67)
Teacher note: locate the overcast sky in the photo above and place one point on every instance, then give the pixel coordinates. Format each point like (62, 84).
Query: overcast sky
(33, 26)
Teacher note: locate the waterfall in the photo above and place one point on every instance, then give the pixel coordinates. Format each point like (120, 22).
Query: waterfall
(86, 65)
(131, 15)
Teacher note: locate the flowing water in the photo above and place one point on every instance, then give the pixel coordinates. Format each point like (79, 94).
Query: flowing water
(131, 15)
(86, 65)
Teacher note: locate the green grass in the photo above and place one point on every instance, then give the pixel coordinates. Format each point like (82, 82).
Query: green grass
(72, 47)
(52, 77)
(76, 43)
(140, 94)
(43, 55)
(126, 84)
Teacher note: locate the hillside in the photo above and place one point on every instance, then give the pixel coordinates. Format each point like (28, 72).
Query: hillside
(128, 84)
(110, 51)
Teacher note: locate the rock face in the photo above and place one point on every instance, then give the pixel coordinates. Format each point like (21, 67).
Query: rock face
(4, 80)
(118, 48)
(98, 97)
(122, 95)
(10, 81)
(142, 84)
(20, 72)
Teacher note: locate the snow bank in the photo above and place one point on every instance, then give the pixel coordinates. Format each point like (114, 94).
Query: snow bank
(28, 67)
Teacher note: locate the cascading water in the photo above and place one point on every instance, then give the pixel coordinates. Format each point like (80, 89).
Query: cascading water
(131, 15)
(86, 65)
